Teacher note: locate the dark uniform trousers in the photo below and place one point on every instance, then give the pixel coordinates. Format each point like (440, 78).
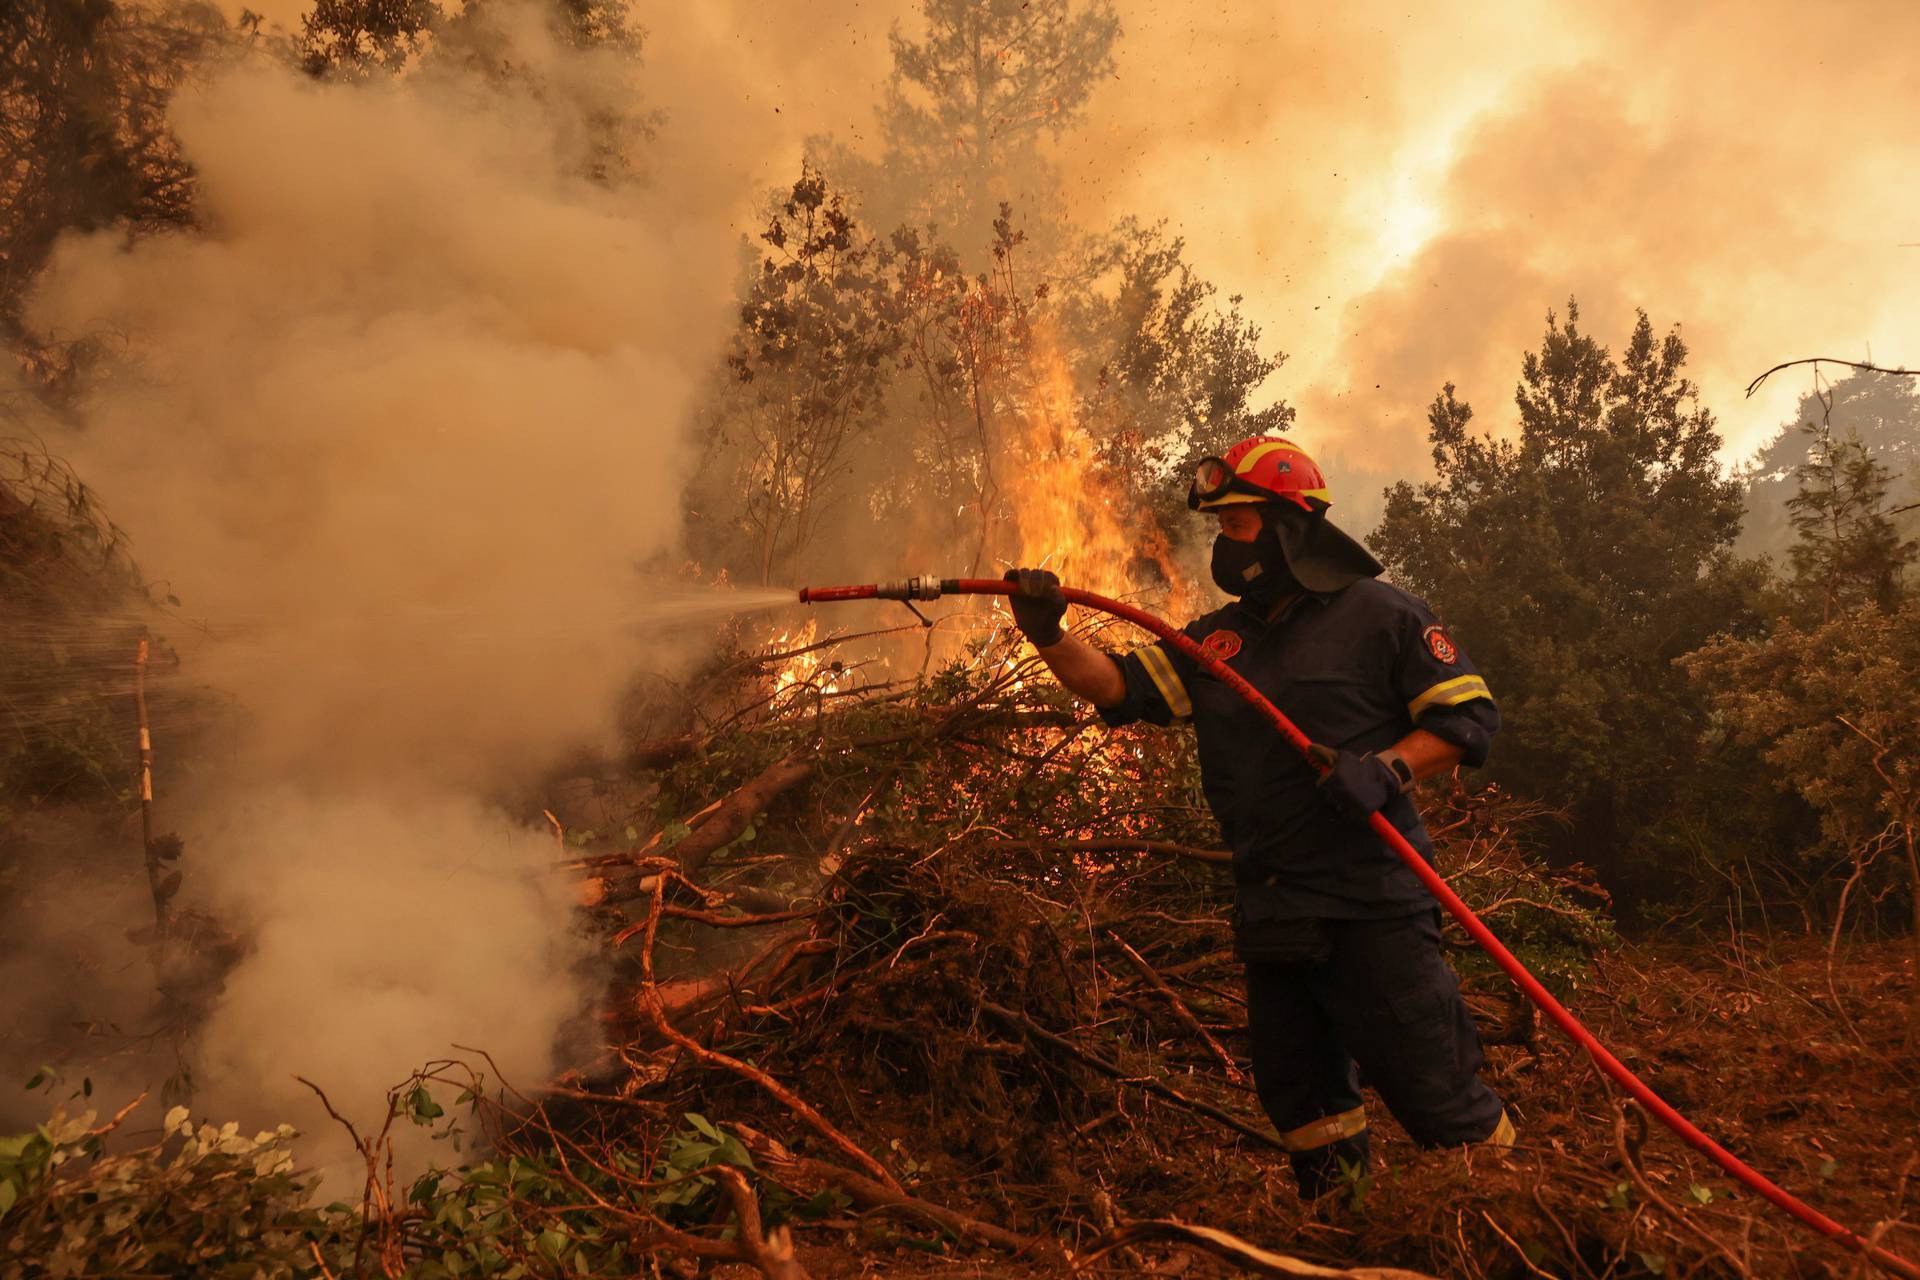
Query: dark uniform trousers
(1339, 937)
(1325, 997)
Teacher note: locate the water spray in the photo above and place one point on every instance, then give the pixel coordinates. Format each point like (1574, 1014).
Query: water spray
(927, 587)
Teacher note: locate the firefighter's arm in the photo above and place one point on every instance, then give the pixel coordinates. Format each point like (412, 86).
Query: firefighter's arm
(1038, 607)
(1358, 785)
(1425, 755)
(1084, 670)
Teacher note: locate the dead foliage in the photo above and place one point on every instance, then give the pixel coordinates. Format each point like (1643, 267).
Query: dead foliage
(1013, 989)
(933, 976)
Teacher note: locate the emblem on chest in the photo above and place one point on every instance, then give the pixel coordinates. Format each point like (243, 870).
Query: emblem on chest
(1221, 645)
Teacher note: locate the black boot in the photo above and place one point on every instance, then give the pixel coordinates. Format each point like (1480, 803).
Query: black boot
(1320, 1170)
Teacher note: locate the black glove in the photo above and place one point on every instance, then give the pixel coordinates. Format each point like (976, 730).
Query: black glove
(1356, 785)
(1037, 605)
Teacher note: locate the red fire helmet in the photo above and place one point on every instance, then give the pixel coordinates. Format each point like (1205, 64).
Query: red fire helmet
(1259, 469)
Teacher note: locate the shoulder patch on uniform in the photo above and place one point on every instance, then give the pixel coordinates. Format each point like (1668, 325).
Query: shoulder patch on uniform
(1440, 644)
(1221, 645)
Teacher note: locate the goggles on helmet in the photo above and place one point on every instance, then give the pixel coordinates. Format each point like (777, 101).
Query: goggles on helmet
(1214, 479)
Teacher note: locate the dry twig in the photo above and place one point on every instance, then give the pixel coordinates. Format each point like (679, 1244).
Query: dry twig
(1180, 1009)
(655, 1009)
(1026, 1026)
(1249, 1257)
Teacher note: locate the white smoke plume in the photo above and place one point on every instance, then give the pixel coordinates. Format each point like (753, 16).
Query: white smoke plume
(399, 423)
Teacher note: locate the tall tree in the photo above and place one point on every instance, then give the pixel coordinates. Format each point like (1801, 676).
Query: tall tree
(1577, 562)
(969, 108)
(1880, 410)
(1849, 552)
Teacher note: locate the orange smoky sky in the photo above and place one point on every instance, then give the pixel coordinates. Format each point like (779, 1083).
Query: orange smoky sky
(1402, 192)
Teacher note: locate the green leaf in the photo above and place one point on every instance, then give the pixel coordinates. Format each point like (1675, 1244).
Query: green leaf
(1621, 1196)
(1700, 1193)
(422, 1107)
(552, 1244)
(936, 1245)
(705, 1126)
(692, 1155)
(632, 833)
(43, 1076)
(824, 1203)
(1653, 1262)
(8, 1194)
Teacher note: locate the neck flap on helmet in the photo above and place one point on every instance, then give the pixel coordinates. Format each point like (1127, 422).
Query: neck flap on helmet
(1319, 553)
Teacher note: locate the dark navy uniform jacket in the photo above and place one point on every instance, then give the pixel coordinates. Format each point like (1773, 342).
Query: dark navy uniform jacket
(1358, 668)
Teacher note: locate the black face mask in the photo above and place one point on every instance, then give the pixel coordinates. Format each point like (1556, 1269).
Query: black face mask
(1255, 571)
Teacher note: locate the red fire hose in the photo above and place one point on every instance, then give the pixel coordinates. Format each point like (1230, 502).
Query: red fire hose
(928, 588)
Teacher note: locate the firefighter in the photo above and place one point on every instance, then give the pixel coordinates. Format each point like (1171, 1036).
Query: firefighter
(1340, 941)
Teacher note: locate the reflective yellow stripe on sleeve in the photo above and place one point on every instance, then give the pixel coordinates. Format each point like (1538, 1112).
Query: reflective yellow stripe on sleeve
(1324, 1130)
(1165, 679)
(1450, 693)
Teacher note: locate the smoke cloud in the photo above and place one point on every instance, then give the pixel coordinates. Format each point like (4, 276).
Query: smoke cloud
(399, 425)
(1403, 194)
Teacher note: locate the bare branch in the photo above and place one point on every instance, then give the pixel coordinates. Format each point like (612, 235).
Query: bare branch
(1819, 360)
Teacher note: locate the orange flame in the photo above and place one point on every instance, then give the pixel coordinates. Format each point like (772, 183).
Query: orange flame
(1070, 513)
(815, 668)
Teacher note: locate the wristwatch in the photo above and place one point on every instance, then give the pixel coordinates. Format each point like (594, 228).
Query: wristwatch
(1398, 767)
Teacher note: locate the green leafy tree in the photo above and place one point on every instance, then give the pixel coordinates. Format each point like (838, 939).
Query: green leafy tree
(1849, 552)
(1577, 562)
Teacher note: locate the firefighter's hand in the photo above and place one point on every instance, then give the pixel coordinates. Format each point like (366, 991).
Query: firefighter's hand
(1037, 605)
(1355, 785)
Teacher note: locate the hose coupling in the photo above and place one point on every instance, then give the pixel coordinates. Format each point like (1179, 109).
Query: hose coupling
(924, 587)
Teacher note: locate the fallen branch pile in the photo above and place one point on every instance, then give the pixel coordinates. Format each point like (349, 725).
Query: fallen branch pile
(944, 967)
(956, 935)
